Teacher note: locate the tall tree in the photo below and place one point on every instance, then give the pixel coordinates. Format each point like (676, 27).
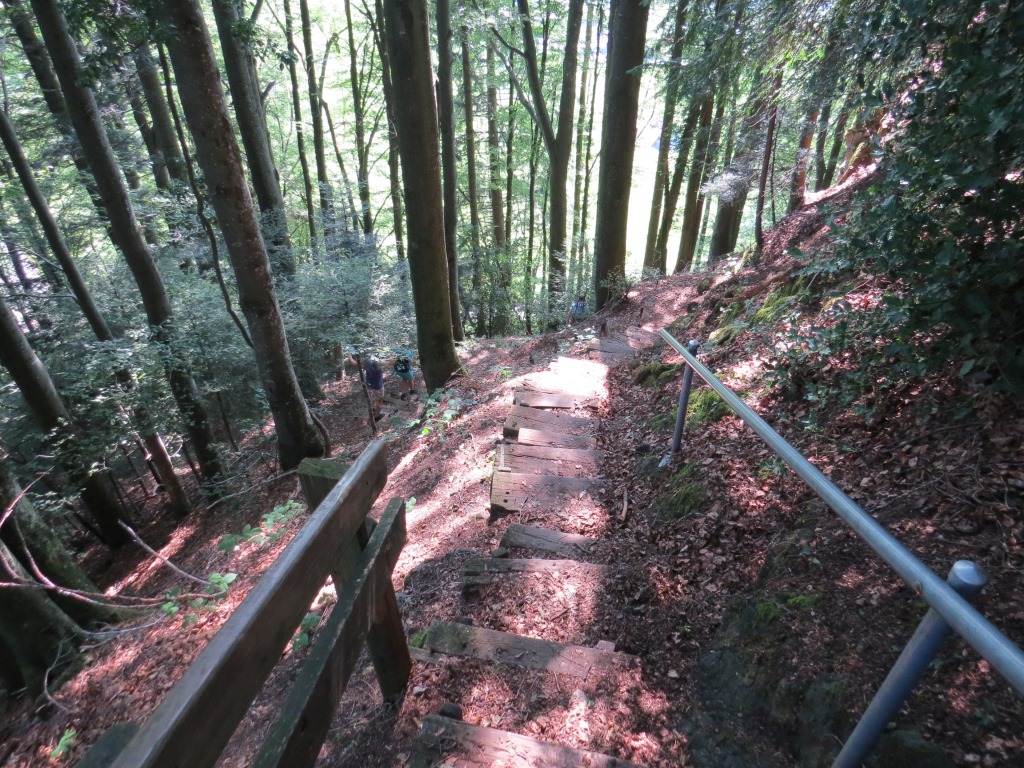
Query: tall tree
(316, 118)
(164, 137)
(471, 184)
(627, 30)
(766, 162)
(558, 141)
(394, 172)
(798, 182)
(300, 132)
(218, 155)
(408, 37)
(124, 229)
(652, 259)
(240, 66)
(446, 109)
(359, 119)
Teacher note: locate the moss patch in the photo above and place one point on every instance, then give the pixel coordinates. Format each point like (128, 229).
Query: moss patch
(685, 494)
(705, 407)
(653, 372)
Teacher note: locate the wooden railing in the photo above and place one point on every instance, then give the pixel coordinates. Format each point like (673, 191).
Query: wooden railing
(191, 727)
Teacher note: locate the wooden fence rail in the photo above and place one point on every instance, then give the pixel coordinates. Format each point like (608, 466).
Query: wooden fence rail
(191, 727)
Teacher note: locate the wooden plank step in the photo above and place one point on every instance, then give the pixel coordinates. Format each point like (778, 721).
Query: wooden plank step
(534, 398)
(579, 462)
(491, 645)
(460, 745)
(530, 537)
(571, 455)
(617, 346)
(536, 418)
(511, 490)
(552, 439)
(481, 573)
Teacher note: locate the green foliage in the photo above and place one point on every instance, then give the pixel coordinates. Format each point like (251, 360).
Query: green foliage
(766, 612)
(443, 407)
(272, 527)
(63, 748)
(947, 219)
(418, 639)
(307, 626)
(804, 602)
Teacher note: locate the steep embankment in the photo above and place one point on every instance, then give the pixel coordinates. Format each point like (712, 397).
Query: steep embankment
(772, 624)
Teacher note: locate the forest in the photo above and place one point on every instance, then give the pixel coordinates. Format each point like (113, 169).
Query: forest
(210, 209)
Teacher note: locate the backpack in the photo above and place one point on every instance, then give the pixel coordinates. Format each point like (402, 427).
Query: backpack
(402, 364)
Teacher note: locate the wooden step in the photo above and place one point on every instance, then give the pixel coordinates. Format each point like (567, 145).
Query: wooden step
(480, 573)
(540, 460)
(453, 743)
(491, 645)
(552, 439)
(530, 537)
(535, 398)
(520, 416)
(510, 491)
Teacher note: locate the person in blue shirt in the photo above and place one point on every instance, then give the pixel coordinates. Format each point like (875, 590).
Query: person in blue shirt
(577, 310)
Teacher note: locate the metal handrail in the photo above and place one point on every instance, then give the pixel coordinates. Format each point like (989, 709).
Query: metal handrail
(974, 628)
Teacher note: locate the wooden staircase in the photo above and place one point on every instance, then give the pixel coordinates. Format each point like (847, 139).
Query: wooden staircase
(548, 457)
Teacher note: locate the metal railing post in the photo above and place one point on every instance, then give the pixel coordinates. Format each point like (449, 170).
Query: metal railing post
(684, 398)
(967, 578)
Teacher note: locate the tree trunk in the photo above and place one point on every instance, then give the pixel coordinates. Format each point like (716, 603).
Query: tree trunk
(37, 639)
(559, 145)
(575, 251)
(43, 400)
(316, 117)
(206, 113)
(164, 137)
(588, 165)
(798, 184)
(471, 191)
(124, 230)
(652, 259)
(359, 118)
(252, 127)
(408, 37)
(446, 109)
(37, 548)
(691, 205)
(494, 157)
(730, 208)
(837, 144)
(300, 133)
(394, 173)
(627, 33)
(672, 194)
(769, 145)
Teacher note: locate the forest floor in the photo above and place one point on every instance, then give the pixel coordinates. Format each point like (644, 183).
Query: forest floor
(949, 489)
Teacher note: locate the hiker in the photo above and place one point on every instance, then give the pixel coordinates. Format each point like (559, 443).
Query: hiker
(577, 310)
(374, 379)
(404, 370)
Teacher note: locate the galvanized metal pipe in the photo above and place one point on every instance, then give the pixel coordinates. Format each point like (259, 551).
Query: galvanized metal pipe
(975, 629)
(967, 579)
(684, 400)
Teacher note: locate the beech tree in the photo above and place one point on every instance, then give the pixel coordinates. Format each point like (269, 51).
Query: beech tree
(217, 152)
(408, 37)
(252, 127)
(627, 29)
(124, 229)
